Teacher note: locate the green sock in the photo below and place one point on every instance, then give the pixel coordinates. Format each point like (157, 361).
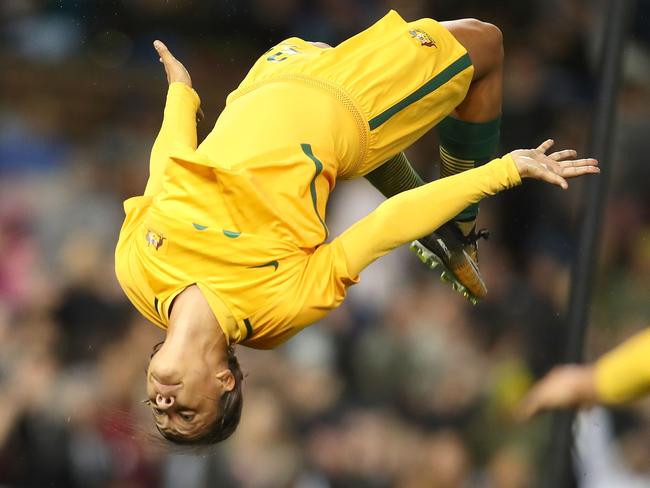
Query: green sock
(466, 145)
(395, 176)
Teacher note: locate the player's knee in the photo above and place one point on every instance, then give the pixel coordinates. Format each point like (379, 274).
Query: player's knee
(494, 37)
(490, 35)
(483, 41)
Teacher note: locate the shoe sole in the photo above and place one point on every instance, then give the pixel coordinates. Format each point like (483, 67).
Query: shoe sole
(432, 261)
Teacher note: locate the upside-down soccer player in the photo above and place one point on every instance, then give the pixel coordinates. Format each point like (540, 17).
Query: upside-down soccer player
(227, 244)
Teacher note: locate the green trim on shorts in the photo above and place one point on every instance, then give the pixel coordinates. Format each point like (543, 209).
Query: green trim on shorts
(306, 148)
(434, 83)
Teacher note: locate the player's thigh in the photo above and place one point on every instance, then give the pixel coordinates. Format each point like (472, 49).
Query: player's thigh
(414, 81)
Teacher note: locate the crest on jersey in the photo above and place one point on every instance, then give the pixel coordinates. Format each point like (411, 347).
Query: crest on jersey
(281, 53)
(154, 239)
(423, 37)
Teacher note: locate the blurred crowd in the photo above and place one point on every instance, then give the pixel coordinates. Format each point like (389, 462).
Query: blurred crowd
(406, 385)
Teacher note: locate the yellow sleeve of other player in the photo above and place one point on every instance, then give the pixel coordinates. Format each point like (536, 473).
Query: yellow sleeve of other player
(178, 132)
(623, 374)
(417, 213)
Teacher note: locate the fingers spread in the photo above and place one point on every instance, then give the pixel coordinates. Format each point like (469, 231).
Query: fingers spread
(561, 182)
(573, 171)
(549, 175)
(546, 145)
(579, 162)
(547, 170)
(578, 167)
(560, 155)
(550, 164)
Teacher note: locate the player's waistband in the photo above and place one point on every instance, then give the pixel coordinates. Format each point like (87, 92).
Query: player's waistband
(332, 89)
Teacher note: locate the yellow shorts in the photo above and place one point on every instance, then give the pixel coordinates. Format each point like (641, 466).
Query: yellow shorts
(398, 79)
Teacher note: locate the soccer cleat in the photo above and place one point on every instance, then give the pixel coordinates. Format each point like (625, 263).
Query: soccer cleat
(457, 256)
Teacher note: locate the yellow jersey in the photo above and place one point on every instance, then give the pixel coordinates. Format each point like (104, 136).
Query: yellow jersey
(623, 374)
(243, 215)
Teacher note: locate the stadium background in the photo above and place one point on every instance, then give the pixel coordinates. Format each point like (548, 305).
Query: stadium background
(406, 385)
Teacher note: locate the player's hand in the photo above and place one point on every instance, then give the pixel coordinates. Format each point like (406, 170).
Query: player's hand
(174, 69)
(568, 386)
(554, 168)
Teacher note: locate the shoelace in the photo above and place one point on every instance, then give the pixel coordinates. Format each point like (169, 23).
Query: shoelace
(474, 236)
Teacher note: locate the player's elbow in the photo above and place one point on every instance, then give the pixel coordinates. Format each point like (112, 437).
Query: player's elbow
(387, 218)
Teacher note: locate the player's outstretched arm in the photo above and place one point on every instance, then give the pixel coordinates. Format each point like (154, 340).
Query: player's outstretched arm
(621, 375)
(418, 212)
(178, 130)
(566, 386)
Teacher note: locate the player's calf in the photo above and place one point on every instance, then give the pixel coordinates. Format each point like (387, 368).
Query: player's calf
(468, 138)
(448, 249)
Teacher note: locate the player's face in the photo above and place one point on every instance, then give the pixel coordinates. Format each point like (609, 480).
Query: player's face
(183, 391)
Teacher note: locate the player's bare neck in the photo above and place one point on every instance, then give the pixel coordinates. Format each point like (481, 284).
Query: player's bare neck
(192, 320)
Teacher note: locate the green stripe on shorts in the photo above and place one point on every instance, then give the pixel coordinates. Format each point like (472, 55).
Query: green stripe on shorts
(434, 83)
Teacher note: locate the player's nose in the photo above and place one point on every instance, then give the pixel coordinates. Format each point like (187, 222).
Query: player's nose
(164, 402)
(165, 394)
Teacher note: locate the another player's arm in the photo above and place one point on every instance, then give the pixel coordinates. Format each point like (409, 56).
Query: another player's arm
(620, 376)
(416, 213)
(178, 130)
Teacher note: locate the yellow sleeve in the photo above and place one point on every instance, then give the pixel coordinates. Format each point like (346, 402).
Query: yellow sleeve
(178, 132)
(417, 213)
(623, 374)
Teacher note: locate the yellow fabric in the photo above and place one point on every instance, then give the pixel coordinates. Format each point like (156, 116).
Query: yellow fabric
(178, 132)
(369, 73)
(416, 213)
(623, 374)
(243, 214)
(180, 120)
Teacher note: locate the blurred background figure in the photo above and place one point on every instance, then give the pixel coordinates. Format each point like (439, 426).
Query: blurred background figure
(80, 102)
